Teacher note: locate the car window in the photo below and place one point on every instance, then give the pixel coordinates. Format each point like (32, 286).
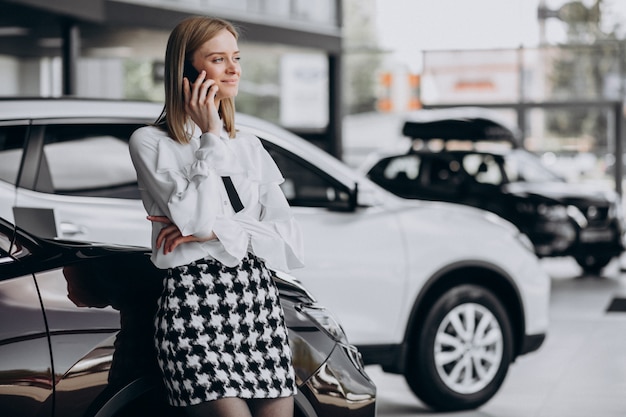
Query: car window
(403, 167)
(5, 247)
(11, 149)
(89, 160)
(445, 174)
(524, 166)
(398, 174)
(305, 185)
(484, 168)
(10, 249)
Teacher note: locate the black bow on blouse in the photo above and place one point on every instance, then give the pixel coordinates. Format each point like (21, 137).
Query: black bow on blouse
(233, 196)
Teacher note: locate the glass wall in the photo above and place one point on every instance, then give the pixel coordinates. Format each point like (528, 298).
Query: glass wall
(584, 72)
(575, 88)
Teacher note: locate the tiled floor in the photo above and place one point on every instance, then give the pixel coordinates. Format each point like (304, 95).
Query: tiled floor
(580, 371)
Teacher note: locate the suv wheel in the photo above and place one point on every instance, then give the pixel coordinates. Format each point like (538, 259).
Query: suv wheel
(462, 350)
(592, 264)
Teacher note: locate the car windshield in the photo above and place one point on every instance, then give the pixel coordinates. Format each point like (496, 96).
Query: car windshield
(521, 165)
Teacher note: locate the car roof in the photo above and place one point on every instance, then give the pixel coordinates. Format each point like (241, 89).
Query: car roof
(38, 108)
(460, 152)
(27, 108)
(461, 123)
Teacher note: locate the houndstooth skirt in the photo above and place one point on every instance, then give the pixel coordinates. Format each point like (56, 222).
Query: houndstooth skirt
(220, 333)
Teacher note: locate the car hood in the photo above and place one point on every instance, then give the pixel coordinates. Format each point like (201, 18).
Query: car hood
(463, 216)
(562, 192)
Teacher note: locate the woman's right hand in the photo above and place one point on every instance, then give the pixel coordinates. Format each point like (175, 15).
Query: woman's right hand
(170, 235)
(201, 104)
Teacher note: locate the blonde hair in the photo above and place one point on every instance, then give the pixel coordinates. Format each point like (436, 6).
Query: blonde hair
(184, 40)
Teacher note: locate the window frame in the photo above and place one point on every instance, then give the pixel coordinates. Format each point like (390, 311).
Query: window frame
(26, 123)
(36, 175)
(338, 186)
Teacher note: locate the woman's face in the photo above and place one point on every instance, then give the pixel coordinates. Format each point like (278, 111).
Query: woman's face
(219, 57)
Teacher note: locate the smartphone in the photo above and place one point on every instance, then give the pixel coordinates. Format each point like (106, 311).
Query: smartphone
(190, 72)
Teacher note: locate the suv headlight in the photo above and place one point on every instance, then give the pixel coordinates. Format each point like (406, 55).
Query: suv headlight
(616, 211)
(325, 321)
(552, 212)
(578, 216)
(559, 213)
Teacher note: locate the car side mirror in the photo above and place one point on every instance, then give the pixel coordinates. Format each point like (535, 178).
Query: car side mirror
(345, 200)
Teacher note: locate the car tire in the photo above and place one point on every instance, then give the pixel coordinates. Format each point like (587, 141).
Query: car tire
(592, 264)
(447, 344)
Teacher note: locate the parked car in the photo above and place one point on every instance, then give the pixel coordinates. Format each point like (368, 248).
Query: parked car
(465, 157)
(76, 336)
(421, 288)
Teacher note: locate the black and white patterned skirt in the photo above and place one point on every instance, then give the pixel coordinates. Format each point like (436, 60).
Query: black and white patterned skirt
(220, 333)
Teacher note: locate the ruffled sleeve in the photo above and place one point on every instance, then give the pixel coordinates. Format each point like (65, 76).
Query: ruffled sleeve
(187, 193)
(275, 235)
(286, 251)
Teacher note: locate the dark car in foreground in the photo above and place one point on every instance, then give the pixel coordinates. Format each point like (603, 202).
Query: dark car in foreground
(76, 336)
(464, 156)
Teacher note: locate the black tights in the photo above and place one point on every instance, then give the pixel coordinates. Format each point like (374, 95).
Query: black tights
(236, 407)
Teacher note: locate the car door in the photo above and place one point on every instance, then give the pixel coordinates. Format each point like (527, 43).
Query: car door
(78, 175)
(26, 381)
(82, 335)
(487, 180)
(354, 256)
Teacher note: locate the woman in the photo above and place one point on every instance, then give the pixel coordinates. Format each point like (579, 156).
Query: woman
(221, 340)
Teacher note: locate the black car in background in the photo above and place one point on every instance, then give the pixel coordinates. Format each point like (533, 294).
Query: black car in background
(463, 156)
(76, 336)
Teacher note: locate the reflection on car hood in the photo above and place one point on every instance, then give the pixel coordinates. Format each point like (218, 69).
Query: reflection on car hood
(290, 287)
(562, 192)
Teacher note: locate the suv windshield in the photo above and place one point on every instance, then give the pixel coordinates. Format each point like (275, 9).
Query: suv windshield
(521, 165)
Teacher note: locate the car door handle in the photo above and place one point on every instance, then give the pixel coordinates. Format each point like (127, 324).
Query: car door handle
(71, 229)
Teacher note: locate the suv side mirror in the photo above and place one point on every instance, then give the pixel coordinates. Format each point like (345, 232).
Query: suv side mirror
(345, 200)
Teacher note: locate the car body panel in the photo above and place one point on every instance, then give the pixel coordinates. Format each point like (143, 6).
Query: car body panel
(481, 247)
(339, 271)
(90, 218)
(26, 382)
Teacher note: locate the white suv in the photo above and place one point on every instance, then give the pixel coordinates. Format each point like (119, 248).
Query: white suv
(446, 295)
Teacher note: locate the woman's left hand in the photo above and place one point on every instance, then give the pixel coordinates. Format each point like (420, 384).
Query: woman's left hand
(170, 235)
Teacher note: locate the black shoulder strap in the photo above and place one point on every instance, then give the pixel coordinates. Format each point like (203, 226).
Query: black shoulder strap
(233, 196)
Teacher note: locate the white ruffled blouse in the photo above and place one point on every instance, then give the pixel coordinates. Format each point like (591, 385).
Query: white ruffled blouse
(183, 182)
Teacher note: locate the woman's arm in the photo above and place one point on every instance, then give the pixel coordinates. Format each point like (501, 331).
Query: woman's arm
(272, 230)
(170, 235)
(189, 195)
(275, 236)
